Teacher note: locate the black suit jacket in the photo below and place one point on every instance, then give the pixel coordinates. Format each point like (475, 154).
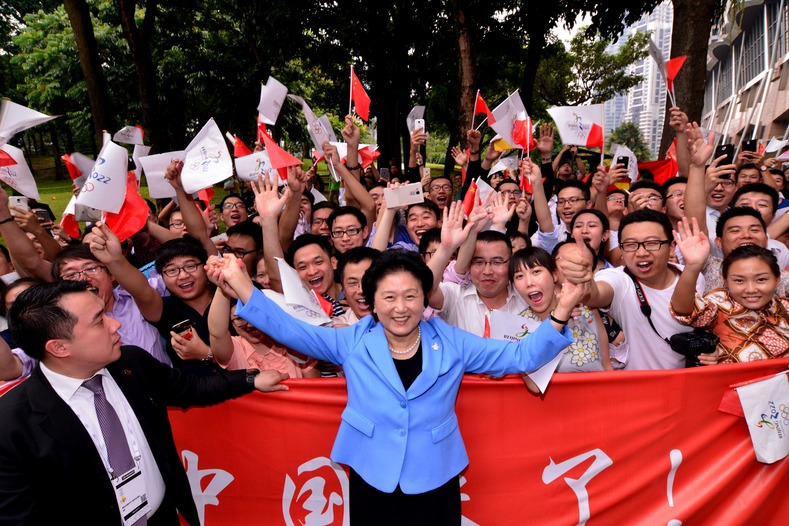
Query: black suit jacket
(50, 470)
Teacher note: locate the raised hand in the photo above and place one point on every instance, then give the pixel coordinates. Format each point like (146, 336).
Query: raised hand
(692, 242)
(453, 234)
(474, 139)
(523, 209)
(459, 156)
(699, 150)
(480, 214)
(268, 203)
(617, 173)
(297, 180)
(601, 180)
(577, 266)
(502, 211)
(545, 144)
(105, 244)
(418, 138)
(173, 174)
(350, 132)
(716, 174)
(331, 154)
(678, 120)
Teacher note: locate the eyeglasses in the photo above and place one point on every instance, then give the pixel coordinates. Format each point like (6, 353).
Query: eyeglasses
(571, 200)
(337, 234)
(90, 271)
(725, 183)
(614, 199)
(649, 246)
(444, 187)
(516, 193)
(189, 268)
(177, 224)
(231, 206)
(316, 221)
(652, 198)
(429, 254)
(238, 252)
(675, 194)
(494, 262)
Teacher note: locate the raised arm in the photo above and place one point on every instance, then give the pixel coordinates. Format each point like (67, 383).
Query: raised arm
(679, 123)
(28, 221)
(453, 235)
(384, 223)
(696, 189)
(352, 184)
(269, 205)
(107, 249)
(218, 318)
(297, 183)
(694, 247)
(540, 201)
(24, 254)
(193, 218)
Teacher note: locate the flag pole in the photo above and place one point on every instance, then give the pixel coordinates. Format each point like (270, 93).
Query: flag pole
(602, 146)
(480, 124)
(350, 94)
(474, 110)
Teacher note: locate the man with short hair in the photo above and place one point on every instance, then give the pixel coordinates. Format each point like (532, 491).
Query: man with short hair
(646, 240)
(233, 210)
(320, 217)
(674, 192)
(420, 217)
(245, 241)
(86, 438)
(748, 173)
(440, 190)
(348, 228)
(646, 194)
(350, 269)
(764, 199)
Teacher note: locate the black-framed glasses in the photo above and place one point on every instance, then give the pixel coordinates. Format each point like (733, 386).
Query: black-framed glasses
(231, 206)
(337, 234)
(437, 187)
(493, 262)
(90, 271)
(678, 193)
(429, 254)
(571, 200)
(189, 268)
(653, 245)
(516, 193)
(177, 224)
(238, 252)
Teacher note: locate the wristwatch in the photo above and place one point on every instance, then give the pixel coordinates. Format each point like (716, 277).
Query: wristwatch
(251, 374)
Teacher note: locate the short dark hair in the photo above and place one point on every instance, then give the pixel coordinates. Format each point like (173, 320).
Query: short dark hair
(5, 253)
(180, 247)
(647, 215)
(531, 257)
(305, 240)
(652, 185)
(760, 188)
(344, 211)
(431, 236)
(247, 228)
(492, 236)
(324, 204)
(516, 235)
(353, 256)
(745, 166)
(427, 203)
(441, 177)
(506, 180)
(37, 317)
(737, 211)
(668, 183)
(571, 241)
(70, 253)
(751, 251)
(309, 197)
(392, 262)
(618, 191)
(575, 183)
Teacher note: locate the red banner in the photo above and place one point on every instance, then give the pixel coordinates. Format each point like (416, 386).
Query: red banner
(607, 448)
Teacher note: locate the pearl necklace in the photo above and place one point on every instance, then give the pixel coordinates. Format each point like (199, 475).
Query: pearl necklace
(413, 345)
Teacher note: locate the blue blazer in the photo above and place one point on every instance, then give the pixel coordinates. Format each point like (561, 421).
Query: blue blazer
(391, 436)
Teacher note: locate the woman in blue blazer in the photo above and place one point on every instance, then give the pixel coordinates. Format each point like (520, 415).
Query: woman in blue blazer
(399, 432)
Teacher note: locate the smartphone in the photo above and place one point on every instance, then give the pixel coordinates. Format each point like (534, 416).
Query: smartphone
(750, 145)
(42, 215)
(623, 160)
(420, 123)
(404, 195)
(183, 329)
(384, 173)
(724, 149)
(18, 201)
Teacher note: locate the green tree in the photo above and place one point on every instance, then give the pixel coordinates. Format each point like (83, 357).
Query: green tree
(629, 134)
(586, 72)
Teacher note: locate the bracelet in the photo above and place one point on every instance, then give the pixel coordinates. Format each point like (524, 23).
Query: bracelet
(351, 167)
(557, 320)
(209, 358)
(7, 220)
(474, 153)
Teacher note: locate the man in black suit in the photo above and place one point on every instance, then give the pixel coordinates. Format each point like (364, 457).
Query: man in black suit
(58, 453)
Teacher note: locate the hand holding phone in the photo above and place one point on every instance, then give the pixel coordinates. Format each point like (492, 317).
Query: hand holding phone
(724, 149)
(624, 161)
(184, 329)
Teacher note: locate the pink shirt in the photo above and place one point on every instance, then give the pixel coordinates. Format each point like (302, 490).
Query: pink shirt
(245, 356)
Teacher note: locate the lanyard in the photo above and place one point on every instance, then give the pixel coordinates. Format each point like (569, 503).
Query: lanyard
(646, 310)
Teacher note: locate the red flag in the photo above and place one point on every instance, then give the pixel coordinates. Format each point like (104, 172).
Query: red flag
(280, 159)
(486, 331)
(360, 98)
(671, 153)
(368, 156)
(205, 195)
(261, 130)
(463, 169)
(481, 107)
(522, 134)
(133, 213)
(6, 159)
(761, 148)
(662, 170)
(672, 68)
(70, 225)
(470, 198)
(595, 138)
(73, 171)
(325, 304)
(239, 148)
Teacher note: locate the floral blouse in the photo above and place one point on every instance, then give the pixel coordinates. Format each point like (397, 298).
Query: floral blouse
(745, 335)
(583, 355)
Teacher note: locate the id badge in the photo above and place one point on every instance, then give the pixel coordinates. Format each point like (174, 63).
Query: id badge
(132, 499)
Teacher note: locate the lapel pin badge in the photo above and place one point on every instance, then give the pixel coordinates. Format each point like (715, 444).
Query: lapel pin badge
(435, 346)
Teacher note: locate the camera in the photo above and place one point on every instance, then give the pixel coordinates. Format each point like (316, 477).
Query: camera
(692, 344)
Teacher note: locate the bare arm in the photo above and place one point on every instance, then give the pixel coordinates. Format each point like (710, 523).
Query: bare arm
(384, 224)
(352, 184)
(10, 365)
(679, 123)
(269, 205)
(218, 318)
(193, 218)
(21, 248)
(540, 202)
(290, 216)
(696, 191)
(695, 247)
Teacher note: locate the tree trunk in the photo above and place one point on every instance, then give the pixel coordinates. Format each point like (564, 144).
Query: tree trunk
(466, 85)
(53, 135)
(533, 56)
(98, 96)
(139, 44)
(690, 34)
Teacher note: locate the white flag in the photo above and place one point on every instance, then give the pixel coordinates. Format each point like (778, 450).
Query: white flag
(85, 165)
(272, 95)
(257, 163)
(154, 167)
(327, 126)
(506, 115)
(129, 135)
(139, 151)
(299, 298)
(18, 176)
(657, 56)
(580, 125)
(15, 118)
(762, 403)
(504, 163)
(417, 112)
(206, 160)
(775, 144)
(105, 187)
(617, 150)
(315, 126)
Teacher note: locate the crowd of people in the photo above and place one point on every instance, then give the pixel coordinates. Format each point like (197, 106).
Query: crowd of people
(611, 270)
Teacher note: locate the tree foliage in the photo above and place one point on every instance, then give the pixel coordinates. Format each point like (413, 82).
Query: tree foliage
(629, 134)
